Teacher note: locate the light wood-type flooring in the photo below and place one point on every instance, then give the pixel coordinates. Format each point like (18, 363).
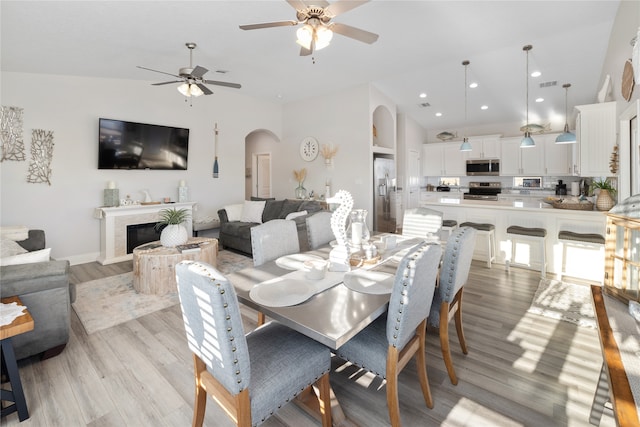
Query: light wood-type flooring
(521, 370)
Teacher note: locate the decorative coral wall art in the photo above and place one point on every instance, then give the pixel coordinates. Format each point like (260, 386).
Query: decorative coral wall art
(41, 155)
(11, 142)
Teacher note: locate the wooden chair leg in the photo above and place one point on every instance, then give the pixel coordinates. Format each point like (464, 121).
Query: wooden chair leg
(421, 362)
(324, 399)
(458, 320)
(200, 401)
(243, 407)
(444, 342)
(392, 386)
(261, 318)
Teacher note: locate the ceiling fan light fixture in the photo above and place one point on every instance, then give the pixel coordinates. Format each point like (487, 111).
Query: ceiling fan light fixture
(527, 141)
(566, 137)
(320, 34)
(184, 89)
(195, 90)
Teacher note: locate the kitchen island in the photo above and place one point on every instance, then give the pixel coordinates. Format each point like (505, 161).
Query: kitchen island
(528, 212)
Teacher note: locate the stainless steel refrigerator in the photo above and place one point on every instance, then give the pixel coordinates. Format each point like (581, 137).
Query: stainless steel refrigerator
(384, 187)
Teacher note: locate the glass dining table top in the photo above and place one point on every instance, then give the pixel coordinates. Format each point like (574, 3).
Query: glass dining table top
(331, 316)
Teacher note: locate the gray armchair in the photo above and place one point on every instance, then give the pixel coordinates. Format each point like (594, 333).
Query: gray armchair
(44, 288)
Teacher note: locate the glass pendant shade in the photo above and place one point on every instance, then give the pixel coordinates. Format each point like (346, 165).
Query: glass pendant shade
(527, 141)
(190, 90)
(195, 90)
(320, 34)
(465, 145)
(184, 89)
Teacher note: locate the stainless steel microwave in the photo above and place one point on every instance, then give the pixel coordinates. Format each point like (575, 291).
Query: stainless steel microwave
(483, 167)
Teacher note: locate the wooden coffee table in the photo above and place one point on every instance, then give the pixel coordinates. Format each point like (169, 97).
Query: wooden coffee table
(20, 324)
(154, 264)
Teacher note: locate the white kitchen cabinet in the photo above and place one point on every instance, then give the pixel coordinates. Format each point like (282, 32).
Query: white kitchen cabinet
(483, 147)
(521, 161)
(557, 157)
(443, 159)
(596, 136)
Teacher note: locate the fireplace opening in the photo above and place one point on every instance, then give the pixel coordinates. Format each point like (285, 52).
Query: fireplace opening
(139, 234)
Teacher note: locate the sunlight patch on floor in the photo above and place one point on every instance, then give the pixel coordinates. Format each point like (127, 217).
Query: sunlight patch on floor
(469, 413)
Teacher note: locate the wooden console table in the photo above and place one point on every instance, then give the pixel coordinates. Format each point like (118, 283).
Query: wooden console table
(20, 325)
(154, 264)
(621, 386)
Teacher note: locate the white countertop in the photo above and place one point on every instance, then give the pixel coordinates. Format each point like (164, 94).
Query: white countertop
(525, 204)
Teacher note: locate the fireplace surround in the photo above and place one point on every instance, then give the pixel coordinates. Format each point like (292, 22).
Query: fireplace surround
(114, 222)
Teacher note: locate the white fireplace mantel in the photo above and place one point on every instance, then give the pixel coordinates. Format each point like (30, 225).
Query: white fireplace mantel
(114, 222)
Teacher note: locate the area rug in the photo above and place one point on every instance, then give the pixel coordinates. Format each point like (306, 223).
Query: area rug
(564, 301)
(107, 302)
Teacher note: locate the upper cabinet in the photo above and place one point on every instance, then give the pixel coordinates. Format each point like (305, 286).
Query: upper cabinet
(557, 157)
(521, 161)
(596, 135)
(443, 159)
(484, 147)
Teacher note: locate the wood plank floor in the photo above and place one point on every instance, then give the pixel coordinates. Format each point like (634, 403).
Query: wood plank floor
(521, 370)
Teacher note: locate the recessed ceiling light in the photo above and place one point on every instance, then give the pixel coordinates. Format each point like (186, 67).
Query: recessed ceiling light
(539, 99)
(484, 107)
(473, 85)
(536, 74)
(438, 114)
(423, 95)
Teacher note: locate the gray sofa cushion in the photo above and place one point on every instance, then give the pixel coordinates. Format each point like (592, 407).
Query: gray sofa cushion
(272, 210)
(289, 206)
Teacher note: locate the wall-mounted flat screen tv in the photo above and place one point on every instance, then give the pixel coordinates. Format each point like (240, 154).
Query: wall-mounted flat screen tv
(128, 145)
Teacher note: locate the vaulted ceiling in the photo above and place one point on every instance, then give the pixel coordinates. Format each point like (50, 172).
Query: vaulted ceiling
(420, 49)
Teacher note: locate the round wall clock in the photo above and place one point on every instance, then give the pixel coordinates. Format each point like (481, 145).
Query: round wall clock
(309, 148)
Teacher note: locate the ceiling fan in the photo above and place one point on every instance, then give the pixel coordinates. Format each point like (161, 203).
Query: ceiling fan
(193, 82)
(317, 29)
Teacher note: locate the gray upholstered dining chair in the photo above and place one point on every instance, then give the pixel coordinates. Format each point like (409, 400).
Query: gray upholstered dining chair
(386, 345)
(419, 222)
(274, 239)
(319, 229)
(447, 302)
(250, 376)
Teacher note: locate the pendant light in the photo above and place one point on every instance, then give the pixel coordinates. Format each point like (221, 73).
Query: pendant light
(527, 141)
(465, 141)
(566, 137)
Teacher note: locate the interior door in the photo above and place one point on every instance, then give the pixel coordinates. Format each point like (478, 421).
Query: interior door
(263, 175)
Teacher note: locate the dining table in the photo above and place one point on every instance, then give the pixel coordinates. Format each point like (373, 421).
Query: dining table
(330, 310)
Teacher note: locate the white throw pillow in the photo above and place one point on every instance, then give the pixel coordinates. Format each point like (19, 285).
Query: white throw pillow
(9, 247)
(252, 211)
(234, 212)
(28, 258)
(293, 215)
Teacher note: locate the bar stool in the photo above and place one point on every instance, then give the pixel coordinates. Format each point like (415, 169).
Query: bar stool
(488, 231)
(589, 240)
(449, 225)
(536, 234)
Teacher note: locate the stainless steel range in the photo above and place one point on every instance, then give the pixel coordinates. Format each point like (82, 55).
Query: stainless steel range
(483, 191)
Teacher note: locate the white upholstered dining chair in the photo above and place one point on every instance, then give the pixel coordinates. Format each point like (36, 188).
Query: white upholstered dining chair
(319, 229)
(274, 239)
(420, 222)
(250, 376)
(447, 301)
(386, 345)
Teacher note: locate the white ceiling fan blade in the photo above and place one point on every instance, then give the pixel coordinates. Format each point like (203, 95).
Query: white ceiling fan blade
(199, 71)
(305, 52)
(297, 4)
(156, 71)
(217, 83)
(354, 33)
(342, 6)
(204, 89)
(167, 83)
(268, 25)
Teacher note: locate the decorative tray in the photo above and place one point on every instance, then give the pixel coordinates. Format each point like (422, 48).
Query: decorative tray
(359, 260)
(581, 206)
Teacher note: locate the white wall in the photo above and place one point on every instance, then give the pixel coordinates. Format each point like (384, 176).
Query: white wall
(71, 106)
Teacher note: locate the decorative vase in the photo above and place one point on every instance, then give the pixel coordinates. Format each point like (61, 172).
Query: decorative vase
(604, 201)
(301, 192)
(357, 231)
(173, 235)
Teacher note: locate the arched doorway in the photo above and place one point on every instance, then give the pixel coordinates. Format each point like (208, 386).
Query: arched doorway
(258, 156)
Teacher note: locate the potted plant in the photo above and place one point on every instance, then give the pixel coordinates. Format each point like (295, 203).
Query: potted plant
(606, 193)
(173, 233)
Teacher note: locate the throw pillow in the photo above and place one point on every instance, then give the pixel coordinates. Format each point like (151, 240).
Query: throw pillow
(252, 211)
(42, 255)
(9, 247)
(289, 206)
(272, 210)
(234, 212)
(293, 215)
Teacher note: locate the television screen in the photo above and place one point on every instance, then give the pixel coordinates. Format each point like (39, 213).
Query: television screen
(128, 145)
